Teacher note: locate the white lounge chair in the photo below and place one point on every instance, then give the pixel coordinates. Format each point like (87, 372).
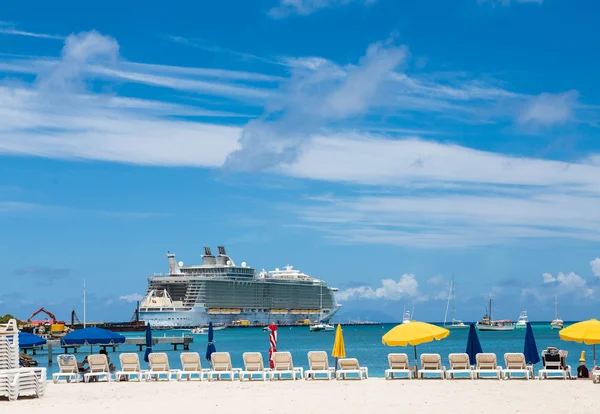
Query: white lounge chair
(459, 364)
(190, 366)
(318, 363)
(432, 364)
(253, 365)
(350, 366)
(486, 364)
(515, 364)
(130, 367)
(20, 382)
(98, 367)
(158, 367)
(555, 362)
(221, 365)
(398, 365)
(283, 364)
(67, 369)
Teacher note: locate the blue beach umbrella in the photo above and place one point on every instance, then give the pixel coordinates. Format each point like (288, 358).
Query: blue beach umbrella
(211, 346)
(532, 356)
(27, 340)
(473, 345)
(148, 342)
(92, 336)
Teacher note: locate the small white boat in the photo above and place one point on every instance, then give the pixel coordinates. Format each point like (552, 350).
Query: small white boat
(200, 331)
(456, 324)
(318, 327)
(556, 323)
(522, 322)
(488, 324)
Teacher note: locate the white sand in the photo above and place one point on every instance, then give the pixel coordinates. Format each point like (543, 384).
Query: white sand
(371, 396)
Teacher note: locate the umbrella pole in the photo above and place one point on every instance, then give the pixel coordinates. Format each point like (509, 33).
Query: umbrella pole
(416, 364)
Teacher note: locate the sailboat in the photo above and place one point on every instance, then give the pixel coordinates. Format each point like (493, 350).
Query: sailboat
(456, 324)
(488, 324)
(319, 325)
(556, 323)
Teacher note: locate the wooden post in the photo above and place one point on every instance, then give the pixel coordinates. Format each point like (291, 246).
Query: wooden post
(49, 354)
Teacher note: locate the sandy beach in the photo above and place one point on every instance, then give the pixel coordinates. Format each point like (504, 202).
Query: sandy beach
(372, 395)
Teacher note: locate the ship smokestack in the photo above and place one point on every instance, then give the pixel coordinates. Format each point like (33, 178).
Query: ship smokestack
(173, 266)
(208, 258)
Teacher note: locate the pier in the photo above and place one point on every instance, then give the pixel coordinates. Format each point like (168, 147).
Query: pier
(176, 341)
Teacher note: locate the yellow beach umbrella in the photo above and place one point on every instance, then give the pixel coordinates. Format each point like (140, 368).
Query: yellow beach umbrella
(414, 333)
(339, 351)
(587, 332)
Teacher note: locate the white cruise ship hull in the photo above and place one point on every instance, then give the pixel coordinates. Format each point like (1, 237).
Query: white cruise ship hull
(199, 317)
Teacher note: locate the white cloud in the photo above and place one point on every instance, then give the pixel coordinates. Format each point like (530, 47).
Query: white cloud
(8, 28)
(390, 289)
(312, 98)
(595, 266)
(306, 7)
(568, 282)
(549, 109)
(79, 50)
(134, 297)
(548, 278)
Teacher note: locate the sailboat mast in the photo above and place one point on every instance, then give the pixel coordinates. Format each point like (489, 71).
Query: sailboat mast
(556, 307)
(84, 305)
(447, 305)
(490, 312)
(452, 298)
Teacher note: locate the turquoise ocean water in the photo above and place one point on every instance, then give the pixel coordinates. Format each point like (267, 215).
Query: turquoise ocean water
(362, 342)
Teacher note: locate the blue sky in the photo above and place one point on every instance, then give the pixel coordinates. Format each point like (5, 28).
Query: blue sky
(380, 145)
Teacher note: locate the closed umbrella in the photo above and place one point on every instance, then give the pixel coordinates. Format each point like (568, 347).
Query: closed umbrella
(414, 333)
(148, 342)
(211, 346)
(532, 356)
(473, 345)
(339, 350)
(272, 343)
(587, 332)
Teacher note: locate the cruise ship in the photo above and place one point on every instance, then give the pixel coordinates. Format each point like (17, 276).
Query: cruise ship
(222, 292)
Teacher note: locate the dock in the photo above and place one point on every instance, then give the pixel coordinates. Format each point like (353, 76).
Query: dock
(176, 341)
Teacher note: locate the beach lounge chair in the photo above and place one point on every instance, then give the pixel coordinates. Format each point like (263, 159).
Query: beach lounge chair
(398, 365)
(220, 365)
(130, 367)
(190, 366)
(459, 364)
(555, 362)
(67, 369)
(19, 382)
(158, 367)
(283, 364)
(318, 363)
(431, 364)
(350, 366)
(98, 367)
(515, 364)
(487, 364)
(253, 365)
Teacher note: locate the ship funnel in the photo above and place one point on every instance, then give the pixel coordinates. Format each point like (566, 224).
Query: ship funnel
(222, 250)
(208, 258)
(173, 266)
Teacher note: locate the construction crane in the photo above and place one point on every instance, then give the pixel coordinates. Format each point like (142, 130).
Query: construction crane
(50, 315)
(57, 327)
